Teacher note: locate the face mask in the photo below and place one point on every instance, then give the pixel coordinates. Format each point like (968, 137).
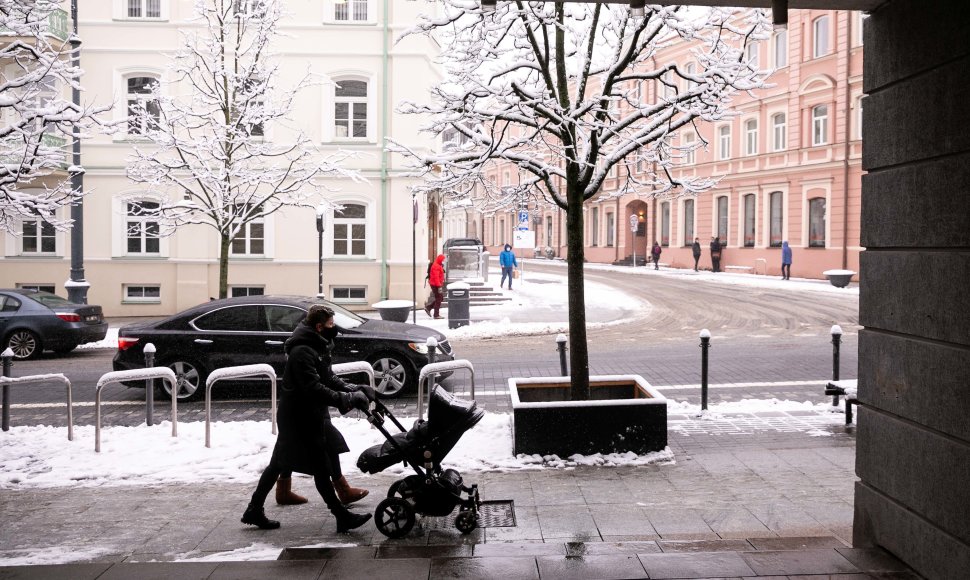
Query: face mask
(329, 333)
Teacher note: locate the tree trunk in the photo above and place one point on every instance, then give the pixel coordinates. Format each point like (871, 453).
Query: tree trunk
(224, 242)
(578, 349)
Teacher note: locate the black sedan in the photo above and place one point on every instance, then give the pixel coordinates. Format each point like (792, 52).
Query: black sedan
(252, 330)
(32, 321)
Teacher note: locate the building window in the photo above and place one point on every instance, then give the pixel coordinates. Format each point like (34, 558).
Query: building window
(779, 136)
(665, 224)
(816, 222)
(144, 8)
(724, 142)
(722, 219)
(348, 293)
(250, 8)
(690, 69)
(250, 240)
(688, 222)
(751, 137)
(777, 218)
(594, 227)
(669, 85)
(749, 209)
(139, 97)
(780, 43)
(689, 148)
(141, 230)
(350, 11)
(821, 36)
(350, 231)
(858, 117)
(820, 125)
(37, 237)
(752, 55)
(610, 227)
(43, 287)
(241, 291)
(350, 110)
(142, 293)
(549, 230)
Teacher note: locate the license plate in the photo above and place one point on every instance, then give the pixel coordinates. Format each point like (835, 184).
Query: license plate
(92, 318)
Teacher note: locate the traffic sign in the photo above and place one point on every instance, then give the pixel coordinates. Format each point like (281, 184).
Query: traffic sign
(523, 216)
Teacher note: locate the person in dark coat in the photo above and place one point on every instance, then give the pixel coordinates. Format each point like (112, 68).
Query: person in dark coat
(785, 261)
(436, 277)
(696, 249)
(308, 442)
(716, 254)
(655, 252)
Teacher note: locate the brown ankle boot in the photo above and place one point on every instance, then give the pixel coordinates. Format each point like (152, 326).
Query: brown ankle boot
(345, 493)
(284, 496)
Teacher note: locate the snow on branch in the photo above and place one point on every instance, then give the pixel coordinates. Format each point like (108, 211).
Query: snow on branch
(38, 122)
(567, 93)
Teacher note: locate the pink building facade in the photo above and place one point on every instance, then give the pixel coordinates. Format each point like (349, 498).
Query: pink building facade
(789, 169)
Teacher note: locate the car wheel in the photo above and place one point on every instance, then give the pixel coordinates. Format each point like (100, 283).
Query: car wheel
(24, 344)
(189, 380)
(393, 374)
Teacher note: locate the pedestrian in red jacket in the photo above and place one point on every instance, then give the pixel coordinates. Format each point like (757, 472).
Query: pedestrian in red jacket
(437, 280)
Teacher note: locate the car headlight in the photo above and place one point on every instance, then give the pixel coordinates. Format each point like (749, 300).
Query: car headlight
(418, 347)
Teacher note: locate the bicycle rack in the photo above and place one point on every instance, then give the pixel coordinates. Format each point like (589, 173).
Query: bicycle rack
(164, 373)
(43, 379)
(440, 367)
(352, 368)
(239, 372)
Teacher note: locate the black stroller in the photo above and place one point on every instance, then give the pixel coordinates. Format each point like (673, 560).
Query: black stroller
(431, 491)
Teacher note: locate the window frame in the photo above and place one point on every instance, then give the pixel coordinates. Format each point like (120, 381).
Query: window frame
(610, 229)
(689, 219)
(247, 239)
(351, 102)
(751, 137)
(821, 32)
(143, 236)
(248, 288)
(776, 219)
(369, 17)
(127, 298)
(749, 231)
(813, 227)
(44, 230)
(594, 227)
(752, 55)
(722, 226)
(349, 299)
(337, 220)
(122, 8)
(820, 125)
(126, 79)
(779, 43)
(665, 224)
(724, 142)
(779, 132)
(690, 150)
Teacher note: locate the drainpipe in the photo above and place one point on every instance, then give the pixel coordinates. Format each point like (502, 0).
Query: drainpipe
(384, 160)
(848, 135)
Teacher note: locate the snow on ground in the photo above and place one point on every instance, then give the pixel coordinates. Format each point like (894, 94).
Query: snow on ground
(110, 341)
(41, 456)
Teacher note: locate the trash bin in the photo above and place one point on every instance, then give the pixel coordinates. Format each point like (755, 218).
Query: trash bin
(459, 298)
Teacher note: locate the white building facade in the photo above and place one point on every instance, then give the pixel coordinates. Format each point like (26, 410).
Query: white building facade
(367, 248)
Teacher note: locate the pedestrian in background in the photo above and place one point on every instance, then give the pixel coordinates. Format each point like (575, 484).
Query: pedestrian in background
(436, 279)
(785, 261)
(716, 254)
(696, 249)
(506, 259)
(655, 252)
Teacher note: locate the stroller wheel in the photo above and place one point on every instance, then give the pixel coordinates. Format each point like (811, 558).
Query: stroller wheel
(466, 521)
(394, 517)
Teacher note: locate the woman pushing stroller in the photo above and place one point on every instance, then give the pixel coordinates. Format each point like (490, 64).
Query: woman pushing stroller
(308, 442)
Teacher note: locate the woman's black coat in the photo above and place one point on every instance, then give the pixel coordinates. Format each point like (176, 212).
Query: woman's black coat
(307, 438)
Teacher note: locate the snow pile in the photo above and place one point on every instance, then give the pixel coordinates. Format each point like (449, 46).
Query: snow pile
(110, 340)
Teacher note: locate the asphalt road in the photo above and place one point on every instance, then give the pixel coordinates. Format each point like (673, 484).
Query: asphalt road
(766, 343)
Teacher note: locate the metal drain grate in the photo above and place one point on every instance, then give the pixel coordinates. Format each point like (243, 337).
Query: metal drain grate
(492, 514)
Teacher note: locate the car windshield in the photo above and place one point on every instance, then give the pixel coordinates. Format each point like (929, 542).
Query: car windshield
(343, 317)
(50, 300)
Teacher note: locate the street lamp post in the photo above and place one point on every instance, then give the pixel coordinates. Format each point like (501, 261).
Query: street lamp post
(320, 229)
(77, 288)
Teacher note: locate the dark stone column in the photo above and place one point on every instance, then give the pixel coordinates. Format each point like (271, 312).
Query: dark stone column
(913, 454)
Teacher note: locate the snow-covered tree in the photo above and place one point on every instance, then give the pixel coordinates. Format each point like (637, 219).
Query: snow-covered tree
(208, 130)
(36, 121)
(559, 90)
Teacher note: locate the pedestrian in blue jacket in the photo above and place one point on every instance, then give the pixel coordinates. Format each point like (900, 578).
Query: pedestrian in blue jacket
(506, 259)
(785, 261)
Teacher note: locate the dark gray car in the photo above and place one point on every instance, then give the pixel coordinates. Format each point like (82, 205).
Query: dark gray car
(32, 322)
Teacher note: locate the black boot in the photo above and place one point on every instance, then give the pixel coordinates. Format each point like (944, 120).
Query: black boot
(255, 516)
(348, 520)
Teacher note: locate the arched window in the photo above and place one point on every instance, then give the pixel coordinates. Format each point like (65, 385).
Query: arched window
(751, 137)
(665, 224)
(820, 29)
(350, 110)
(816, 222)
(777, 218)
(724, 142)
(779, 134)
(141, 228)
(139, 92)
(350, 230)
(688, 222)
(749, 220)
(722, 219)
(780, 46)
(820, 125)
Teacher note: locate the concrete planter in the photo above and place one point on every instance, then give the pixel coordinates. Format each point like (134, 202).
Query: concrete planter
(839, 278)
(394, 310)
(624, 413)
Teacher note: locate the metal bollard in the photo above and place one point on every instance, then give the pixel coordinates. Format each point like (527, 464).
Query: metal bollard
(705, 347)
(7, 357)
(432, 344)
(836, 342)
(561, 346)
(149, 386)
